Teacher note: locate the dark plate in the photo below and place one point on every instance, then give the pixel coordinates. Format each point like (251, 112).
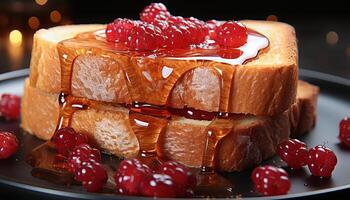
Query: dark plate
(333, 105)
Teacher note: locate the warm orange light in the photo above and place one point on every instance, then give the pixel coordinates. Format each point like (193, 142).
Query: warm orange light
(34, 22)
(15, 38)
(41, 2)
(332, 38)
(55, 16)
(272, 18)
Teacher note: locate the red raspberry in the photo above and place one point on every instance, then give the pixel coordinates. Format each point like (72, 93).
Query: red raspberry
(80, 154)
(231, 34)
(344, 131)
(213, 26)
(293, 152)
(181, 175)
(119, 30)
(160, 24)
(197, 29)
(129, 175)
(321, 161)
(145, 37)
(10, 106)
(158, 185)
(8, 144)
(269, 180)
(66, 139)
(92, 175)
(176, 37)
(154, 11)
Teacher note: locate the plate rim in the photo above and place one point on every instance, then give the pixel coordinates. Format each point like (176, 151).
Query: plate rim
(315, 76)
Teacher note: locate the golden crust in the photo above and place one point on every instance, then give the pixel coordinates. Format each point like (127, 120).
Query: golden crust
(252, 139)
(271, 77)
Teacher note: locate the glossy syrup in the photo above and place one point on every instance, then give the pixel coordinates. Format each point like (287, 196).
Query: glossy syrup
(150, 78)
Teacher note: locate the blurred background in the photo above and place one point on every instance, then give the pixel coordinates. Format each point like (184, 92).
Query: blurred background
(323, 27)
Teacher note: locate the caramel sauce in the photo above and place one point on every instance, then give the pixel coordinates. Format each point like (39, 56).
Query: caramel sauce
(150, 78)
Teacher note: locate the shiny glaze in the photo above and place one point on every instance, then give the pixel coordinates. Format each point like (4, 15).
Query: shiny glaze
(150, 78)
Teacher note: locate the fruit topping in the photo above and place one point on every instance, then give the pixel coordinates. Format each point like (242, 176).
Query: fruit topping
(119, 30)
(145, 37)
(269, 180)
(80, 154)
(231, 34)
(158, 185)
(8, 144)
(10, 106)
(293, 152)
(92, 175)
(65, 139)
(158, 29)
(129, 175)
(154, 11)
(321, 161)
(344, 131)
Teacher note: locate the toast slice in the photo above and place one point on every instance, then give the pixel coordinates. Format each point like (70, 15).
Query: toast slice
(251, 140)
(271, 77)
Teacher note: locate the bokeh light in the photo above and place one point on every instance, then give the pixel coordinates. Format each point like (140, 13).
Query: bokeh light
(15, 37)
(55, 16)
(332, 38)
(41, 2)
(34, 23)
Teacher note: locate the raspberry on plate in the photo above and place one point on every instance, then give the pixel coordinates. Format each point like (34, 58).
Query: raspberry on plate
(344, 131)
(129, 175)
(321, 161)
(293, 152)
(231, 34)
(8, 144)
(80, 154)
(92, 175)
(269, 180)
(158, 185)
(10, 106)
(181, 175)
(66, 139)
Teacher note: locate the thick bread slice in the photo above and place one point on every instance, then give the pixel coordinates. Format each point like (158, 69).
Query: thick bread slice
(271, 77)
(251, 140)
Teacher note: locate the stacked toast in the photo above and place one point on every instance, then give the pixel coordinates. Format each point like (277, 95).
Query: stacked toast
(195, 111)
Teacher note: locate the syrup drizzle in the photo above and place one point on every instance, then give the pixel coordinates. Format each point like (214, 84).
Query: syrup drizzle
(150, 77)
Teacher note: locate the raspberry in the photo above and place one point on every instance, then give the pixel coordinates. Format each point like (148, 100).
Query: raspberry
(129, 175)
(145, 37)
(181, 175)
(8, 144)
(344, 131)
(176, 37)
(270, 180)
(10, 106)
(158, 185)
(231, 34)
(154, 11)
(119, 30)
(66, 139)
(213, 26)
(321, 161)
(197, 29)
(80, 154)
(92, 175)
(293, 152)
